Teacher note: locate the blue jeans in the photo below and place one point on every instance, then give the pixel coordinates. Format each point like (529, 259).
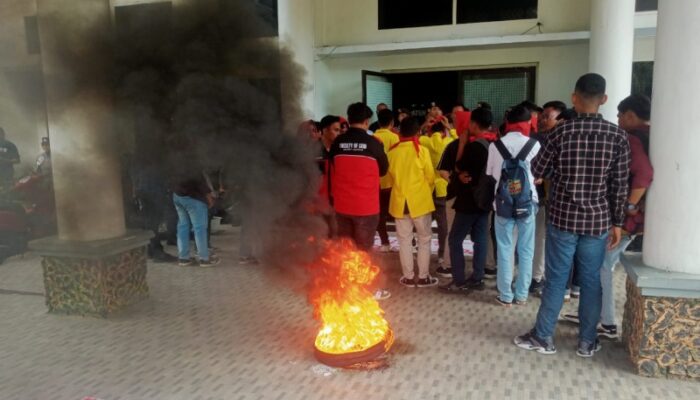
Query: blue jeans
(192, 215)
(476, 225)
(561, 247)
(612, 257)
(526, 250)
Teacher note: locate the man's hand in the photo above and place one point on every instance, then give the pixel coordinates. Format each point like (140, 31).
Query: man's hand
(614, 237)
(464, 177)
(539, 181)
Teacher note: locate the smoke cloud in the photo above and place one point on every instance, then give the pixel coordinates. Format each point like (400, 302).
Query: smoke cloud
(198, 85)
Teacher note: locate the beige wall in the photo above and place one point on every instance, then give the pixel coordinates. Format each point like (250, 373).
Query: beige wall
(339, 80)
(342, 22)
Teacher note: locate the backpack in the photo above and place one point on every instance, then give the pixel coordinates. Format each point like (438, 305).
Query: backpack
(484, 188)
(513, 192)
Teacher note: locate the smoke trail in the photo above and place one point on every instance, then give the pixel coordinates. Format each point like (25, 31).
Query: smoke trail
(201, 87)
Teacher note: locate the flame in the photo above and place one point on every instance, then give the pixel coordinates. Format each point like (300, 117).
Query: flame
(351, 319)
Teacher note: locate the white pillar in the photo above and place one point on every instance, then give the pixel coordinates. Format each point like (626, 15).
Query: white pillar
(672, 229)
(296, 34)
(86, 171)
(612, 48)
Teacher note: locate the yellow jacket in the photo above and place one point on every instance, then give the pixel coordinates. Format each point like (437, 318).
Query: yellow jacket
(436, 145)
(388, 139)
(413, 179)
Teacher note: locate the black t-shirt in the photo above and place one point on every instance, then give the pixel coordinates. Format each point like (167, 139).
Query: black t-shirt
(8, 153)
(473, 162)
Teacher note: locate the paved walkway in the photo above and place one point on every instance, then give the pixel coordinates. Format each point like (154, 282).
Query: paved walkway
(229, 333)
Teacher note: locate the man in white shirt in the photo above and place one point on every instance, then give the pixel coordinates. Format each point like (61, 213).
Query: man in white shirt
(516, 206)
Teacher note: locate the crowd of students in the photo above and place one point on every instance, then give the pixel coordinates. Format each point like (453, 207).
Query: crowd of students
(562, 189)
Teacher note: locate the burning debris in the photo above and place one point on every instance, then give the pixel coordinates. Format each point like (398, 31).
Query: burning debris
(353, 329)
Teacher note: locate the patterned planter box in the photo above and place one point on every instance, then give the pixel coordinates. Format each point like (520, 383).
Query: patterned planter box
(95, 287)
(662, 334)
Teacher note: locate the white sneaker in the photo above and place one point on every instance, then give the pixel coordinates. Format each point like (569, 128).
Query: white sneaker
(382, 294)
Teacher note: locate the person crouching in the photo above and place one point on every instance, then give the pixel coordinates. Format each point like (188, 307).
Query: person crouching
(411, 204)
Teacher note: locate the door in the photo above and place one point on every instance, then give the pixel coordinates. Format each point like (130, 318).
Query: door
(377, 88)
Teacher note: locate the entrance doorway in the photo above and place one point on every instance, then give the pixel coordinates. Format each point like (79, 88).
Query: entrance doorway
(500, 87)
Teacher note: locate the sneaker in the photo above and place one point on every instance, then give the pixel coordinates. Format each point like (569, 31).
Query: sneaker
(503, 303)
(520, 302)
(164, 258)
(427, 282)
(575, 294)
(573, 318)
(382, 294)
(490, 273)
(608, 331)
(536, 287)
(474, 284)
(444, 272)
(567, 298)
(211, 262)
(530, 341)
(586, 350)
(385, 248)
(453, 287)
(408, 282)
(247, 261)
(184, 263)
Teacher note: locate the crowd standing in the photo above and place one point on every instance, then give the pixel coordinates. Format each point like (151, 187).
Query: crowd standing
(554, 195)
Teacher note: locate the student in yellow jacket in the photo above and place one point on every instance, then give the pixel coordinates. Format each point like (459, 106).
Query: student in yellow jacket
(436, 144)
(413, 179)
(389, 138)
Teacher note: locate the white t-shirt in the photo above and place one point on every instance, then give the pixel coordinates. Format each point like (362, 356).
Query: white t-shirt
(514, 142)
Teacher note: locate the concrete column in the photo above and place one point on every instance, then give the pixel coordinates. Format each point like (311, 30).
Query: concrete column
(672, 233)
(296, 33)
(86, 169)
(611, 49)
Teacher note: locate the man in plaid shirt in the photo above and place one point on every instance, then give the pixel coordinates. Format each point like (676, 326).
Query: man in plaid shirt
(588, 161)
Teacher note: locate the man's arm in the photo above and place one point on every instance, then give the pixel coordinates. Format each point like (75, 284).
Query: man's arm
(491, 162)
(618, 183)
(377, 150)
(641, 171)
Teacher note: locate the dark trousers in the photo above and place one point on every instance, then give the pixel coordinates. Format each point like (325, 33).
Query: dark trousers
(475, 225)
(440, 216)
(358, 228)
(384, 198)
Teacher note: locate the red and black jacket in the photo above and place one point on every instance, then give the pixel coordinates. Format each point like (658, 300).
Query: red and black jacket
(357, 161)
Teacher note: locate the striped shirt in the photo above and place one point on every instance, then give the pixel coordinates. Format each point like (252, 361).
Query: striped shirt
(588, 159)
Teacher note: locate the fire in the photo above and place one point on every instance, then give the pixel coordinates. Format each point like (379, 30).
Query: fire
(351, 319)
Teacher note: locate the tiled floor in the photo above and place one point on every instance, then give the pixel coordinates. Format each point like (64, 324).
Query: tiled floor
(233, 333)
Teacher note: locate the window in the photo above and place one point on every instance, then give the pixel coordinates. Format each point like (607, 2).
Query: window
(502, 88)
(470, 11)
(642, 77)
(377, 88)
(414, 13)
(647, 5)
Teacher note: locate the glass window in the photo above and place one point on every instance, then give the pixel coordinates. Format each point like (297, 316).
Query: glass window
(642, 77)
(647, 5)
(414, 13)
(502, 88)
(470, 11)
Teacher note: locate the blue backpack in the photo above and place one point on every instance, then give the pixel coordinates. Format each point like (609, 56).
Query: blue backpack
(513, 190)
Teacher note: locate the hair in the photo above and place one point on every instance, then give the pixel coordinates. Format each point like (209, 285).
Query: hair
(519, 113)
(483, 104)
(590, 86)
(483, 117)
(530, 106)
(460, 105)
(359, 113)
(556, 104)
(385, 117)
(640, 105)
(409, 127)
(329, 120)
(567, 114)
(438, 127)
(382, 104)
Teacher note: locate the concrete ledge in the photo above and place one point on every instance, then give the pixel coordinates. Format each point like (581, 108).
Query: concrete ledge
(658, 283)
(54, 247)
